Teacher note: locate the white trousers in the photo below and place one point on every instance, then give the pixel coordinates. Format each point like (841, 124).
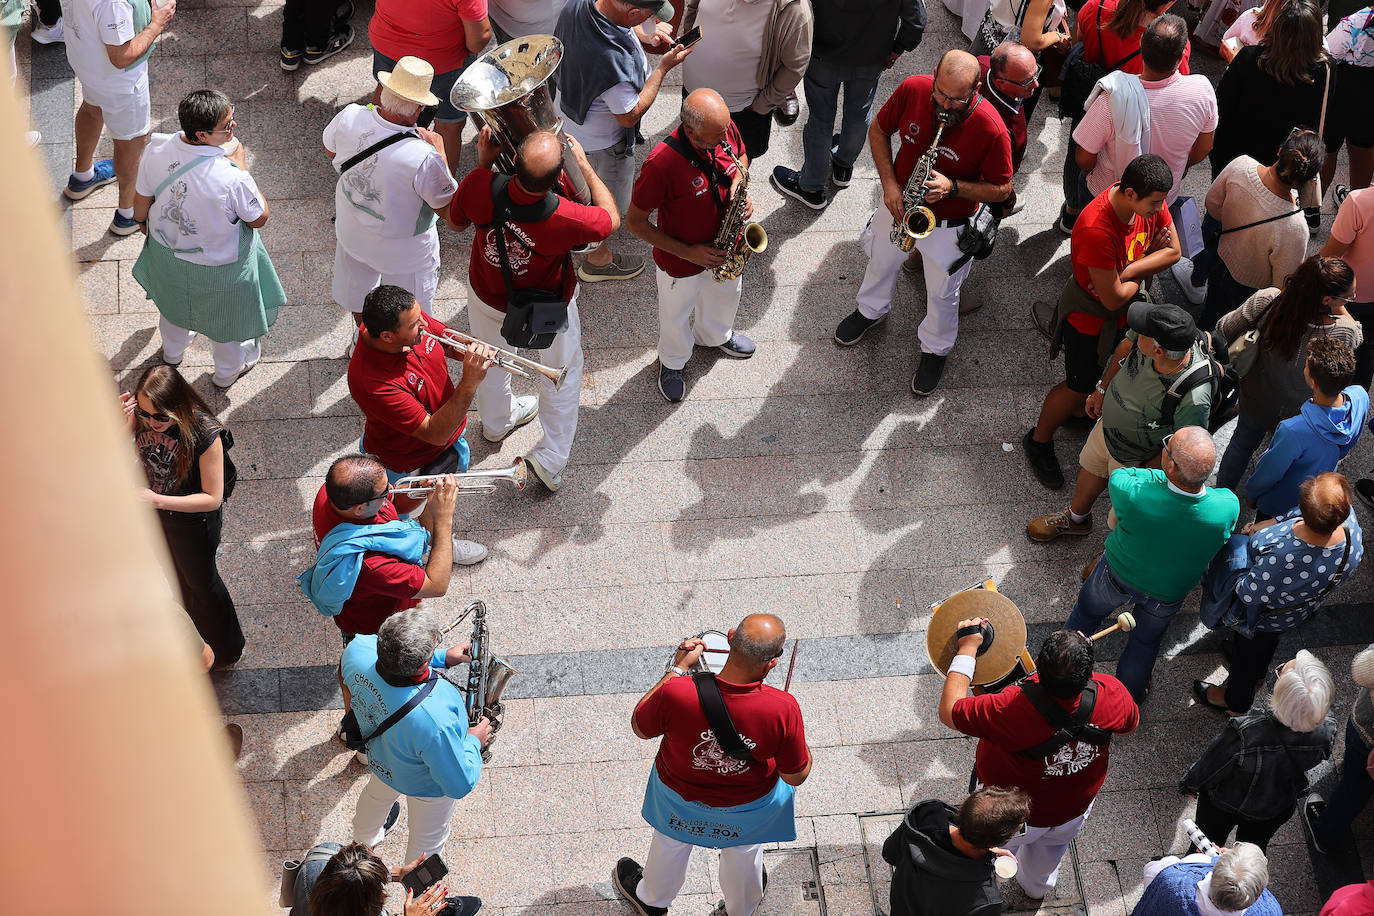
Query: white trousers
(557, 406)
(741, 874)
(694, 309)
(353, 280)
(938, 250)
(428, 820)
(230, 358)
(1038, 854)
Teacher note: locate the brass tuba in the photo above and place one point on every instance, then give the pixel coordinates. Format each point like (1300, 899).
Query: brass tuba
(735, 237)
(918, 221)
(487, 676)
(507, 89)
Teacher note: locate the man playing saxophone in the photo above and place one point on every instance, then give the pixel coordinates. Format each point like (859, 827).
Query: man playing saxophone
(692, 179)
(970, 164)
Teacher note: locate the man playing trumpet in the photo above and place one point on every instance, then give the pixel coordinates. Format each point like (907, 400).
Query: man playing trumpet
(539, 232)
(414, 414)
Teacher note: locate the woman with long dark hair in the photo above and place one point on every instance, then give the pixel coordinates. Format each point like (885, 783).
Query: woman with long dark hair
(182, 448)
(1312, 302)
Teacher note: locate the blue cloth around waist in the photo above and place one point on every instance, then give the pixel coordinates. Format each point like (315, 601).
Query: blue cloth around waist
(769, 819)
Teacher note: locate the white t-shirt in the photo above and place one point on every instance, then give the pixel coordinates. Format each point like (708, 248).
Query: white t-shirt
(379, 203)
(727, 57)
(90, 25)
(518, 18)
(203, 206)
(600, 129)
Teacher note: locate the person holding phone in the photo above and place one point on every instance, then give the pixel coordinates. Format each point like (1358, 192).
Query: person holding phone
(352, 882)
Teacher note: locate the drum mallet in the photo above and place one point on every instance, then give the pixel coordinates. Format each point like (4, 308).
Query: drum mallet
(1125, 623)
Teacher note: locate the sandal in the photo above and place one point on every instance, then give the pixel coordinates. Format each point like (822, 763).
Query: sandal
(1200, 689)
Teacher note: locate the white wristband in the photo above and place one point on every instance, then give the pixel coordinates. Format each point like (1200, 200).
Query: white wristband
(963, 664)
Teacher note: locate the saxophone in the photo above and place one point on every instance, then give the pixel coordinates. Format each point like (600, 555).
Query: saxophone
(736, 238)
(486, 677)
(917, 219)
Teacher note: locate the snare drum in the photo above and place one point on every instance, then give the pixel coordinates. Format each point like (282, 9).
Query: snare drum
(712, 661)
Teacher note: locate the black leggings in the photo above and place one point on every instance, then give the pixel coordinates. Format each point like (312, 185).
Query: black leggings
(1218, 824)
(193, 539)
(49, 11)
(1250, 658)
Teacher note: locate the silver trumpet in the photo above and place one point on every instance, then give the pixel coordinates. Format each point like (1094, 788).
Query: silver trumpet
(487, 676)
(511, 362)
(471, 482)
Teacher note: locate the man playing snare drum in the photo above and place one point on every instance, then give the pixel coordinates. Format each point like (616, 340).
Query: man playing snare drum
(734, 796)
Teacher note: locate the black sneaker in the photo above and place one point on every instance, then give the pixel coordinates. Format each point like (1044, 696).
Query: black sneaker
(854, 327)
(928, 373)
(461, 906)
(1066, 220)
(1314, 217)
(290, 59)
(1043, 461)
(787, 181)
(1364, 489)
(840, 175)
(337, 42)
(672, 383)
(1338, 194)
(392, 817)
(1312, 809)
(626, 877)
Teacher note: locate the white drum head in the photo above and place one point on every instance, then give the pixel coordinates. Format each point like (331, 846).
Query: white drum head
(715, 661)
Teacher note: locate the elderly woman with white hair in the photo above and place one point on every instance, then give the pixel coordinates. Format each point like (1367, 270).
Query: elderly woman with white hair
(1329, 822)
(1208, 885)
(1251, 776)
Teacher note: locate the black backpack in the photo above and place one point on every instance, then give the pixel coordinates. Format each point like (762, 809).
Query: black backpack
(1216, 371)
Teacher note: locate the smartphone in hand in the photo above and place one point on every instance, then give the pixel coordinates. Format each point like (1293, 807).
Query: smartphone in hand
(688, 38)
(424, 875)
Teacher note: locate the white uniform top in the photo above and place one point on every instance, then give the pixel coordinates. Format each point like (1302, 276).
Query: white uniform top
(518, 18)
(89, 26)
(600, 129)
(727, 57)
(379, 203)
(202, 207)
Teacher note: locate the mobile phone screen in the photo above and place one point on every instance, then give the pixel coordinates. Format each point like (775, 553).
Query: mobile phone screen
(425, 874)
(690, 37)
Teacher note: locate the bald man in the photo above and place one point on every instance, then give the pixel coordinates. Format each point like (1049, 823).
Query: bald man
(733, 795)
(1169, 526)
(973, 167)
(539, 230)
(688, 179)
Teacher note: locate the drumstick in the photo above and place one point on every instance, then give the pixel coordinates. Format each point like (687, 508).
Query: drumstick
(718, 651)
(1125, 623)
(790, 665)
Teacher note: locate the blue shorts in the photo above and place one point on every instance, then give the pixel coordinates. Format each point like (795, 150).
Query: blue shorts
(442, 87)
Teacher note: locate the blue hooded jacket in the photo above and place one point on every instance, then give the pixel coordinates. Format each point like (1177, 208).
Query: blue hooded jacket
(1304, 446)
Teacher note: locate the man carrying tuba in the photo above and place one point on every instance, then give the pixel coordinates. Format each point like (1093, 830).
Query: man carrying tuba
(691, 179)
(970, 163)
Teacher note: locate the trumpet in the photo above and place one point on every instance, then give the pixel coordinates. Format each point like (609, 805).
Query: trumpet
(513, 363)
(472, 482)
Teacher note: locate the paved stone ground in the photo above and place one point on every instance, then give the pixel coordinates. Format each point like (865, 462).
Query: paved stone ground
(806, 481)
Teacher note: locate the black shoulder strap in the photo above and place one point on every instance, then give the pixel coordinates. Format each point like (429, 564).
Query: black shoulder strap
(1067, 727)
(1102, 51)
(718, 717)
(1261, 222)
(415, 699)
(1196, 377)
(502, 210)
(720, 184)
(376, 148)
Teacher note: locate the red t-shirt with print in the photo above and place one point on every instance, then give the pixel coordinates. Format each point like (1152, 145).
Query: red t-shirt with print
(689, 209)
(691, 762)
(978, 149)
(1113, 48)
(1100, 239)
(1063, 785)
(431, 30)
(386, 585)
(396, 393)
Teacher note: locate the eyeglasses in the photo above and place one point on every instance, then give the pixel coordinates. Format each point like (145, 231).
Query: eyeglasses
(155, 417)
(1344, 300)
(939, 95)
(1165, 443)
(382, 495)
(224, 130)
(1028, 81)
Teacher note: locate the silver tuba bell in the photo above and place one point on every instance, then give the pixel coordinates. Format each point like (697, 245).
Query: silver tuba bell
(507, 88)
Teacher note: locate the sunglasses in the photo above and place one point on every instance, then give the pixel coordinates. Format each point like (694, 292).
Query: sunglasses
(155, 417)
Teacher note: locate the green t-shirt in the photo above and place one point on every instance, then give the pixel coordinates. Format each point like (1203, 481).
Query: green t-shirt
(1163, 538)
(1134, 404)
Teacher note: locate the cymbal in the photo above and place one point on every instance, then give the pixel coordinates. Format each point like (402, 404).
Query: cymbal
(1009, 633)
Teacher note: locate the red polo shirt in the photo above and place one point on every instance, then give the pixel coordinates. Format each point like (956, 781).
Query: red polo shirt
(396, 393)
(386, 585)
(688, 210)
(978, 149)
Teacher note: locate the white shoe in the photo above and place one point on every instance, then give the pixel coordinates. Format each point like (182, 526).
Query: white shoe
(526, 409)
(550, 481)
(32, 138)
(361, 756)
(46, 35)
(466, 553)
(247, 367)
(1182, 269)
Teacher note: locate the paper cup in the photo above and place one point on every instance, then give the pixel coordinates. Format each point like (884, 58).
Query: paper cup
(1005, 866)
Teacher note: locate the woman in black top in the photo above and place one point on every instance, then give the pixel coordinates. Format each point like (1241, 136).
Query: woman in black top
(182, 448)
(1271, 88)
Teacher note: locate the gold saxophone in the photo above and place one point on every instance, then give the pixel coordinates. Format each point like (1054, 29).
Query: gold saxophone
(917, 219)
(737, 238)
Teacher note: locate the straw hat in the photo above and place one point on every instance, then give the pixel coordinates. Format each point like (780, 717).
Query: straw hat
(410, 80)
(1009, 633)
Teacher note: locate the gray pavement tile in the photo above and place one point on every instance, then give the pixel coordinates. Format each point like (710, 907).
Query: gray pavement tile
(208, 32)
(849, 779)
(313, 687)
(1121, 824)
(545, 675)
(243, 77)
(99, 282)
(588, 729)
(835, 659)
(938, 766)
(170, 78)
(901, 654)
(268, 801)
(759, 546)
(621, 670)
(243, 691)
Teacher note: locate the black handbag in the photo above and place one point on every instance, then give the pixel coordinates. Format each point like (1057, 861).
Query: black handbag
(352, 732)
(977, 237)
(533, 316)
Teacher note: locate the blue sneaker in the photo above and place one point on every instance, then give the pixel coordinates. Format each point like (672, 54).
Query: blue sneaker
(672, 383)
(104, 174)
(123, 225)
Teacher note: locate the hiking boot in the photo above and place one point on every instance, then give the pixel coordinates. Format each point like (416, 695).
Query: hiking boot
(854, 327)
(1044, 463)
(1049, 527)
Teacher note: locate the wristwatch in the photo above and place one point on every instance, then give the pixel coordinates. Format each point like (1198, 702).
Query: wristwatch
(670, 668)
(954, 187)
(1098, 388)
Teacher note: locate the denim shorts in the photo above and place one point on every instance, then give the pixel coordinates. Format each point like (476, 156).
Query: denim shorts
(442, 87)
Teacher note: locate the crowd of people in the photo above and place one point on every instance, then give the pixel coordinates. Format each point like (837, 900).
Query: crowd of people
(1264, 335)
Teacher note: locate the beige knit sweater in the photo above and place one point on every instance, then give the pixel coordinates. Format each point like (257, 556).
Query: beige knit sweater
(1261, 256)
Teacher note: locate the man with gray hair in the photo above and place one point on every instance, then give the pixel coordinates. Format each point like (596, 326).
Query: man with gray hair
(1204, 885)
(429, 754)
(732, 751)
(1169, 526)
(390, 189)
